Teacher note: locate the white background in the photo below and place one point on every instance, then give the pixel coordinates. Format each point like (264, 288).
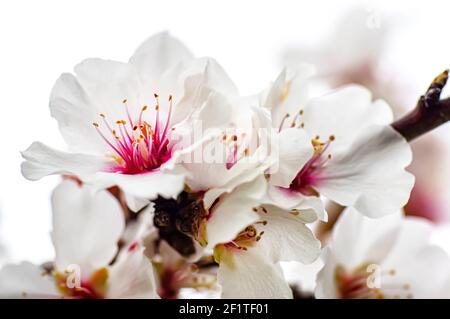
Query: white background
(41, 39)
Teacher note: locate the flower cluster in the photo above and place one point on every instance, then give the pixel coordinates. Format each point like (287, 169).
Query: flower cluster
(175, 184)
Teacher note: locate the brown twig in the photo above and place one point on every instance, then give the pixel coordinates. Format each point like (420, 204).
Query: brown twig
(430, 112)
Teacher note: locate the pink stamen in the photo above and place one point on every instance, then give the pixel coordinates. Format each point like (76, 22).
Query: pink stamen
(141, 149)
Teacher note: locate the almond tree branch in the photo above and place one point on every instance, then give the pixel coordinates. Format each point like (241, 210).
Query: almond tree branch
(430, 112)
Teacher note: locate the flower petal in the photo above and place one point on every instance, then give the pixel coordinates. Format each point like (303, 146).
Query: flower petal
(141, 186)
(86, 227)
(234, 212)
(132, 276)
(344, 113)
(156, 55)
(108, 83)
(372, 239)
(194, 83)
(248, 275)
(71, 107)
(370, 175)
(41, 160)
(311, 207)
(286, 238)
(289, 93)
(26, 280)
(294, 151)
(326, 287)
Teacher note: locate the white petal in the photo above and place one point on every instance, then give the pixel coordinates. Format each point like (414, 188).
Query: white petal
(194, 83)
(70, 106)
(311, 207)
(132, 276)
(138, 229)
(289, 93)
(215, 105)
(344, 113)
(26, 280)
(242, 172)
(42, 160)
(234, 212)
(86, 227)
(294, 151)
(424, 273)
(142, 186)
(286, 238)
(417, 264)
(421, 265)
(135, 203)
(247, 275)
(358, 239)
(108, 84)
(326, 278)
(156, 55)
(370, 175)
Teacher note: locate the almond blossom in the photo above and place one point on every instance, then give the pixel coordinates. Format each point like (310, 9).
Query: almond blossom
(249, 265)
(125, 123)
(390, 257)
(86, 231)
(338, 145)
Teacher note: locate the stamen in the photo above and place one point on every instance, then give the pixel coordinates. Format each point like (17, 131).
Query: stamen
(282, 122)
(139, 147)
(125, 102)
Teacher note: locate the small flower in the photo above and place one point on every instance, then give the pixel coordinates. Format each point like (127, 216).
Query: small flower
(338, 145)
(125, 123)
(249, 264)
(389, 257)
(86, 231)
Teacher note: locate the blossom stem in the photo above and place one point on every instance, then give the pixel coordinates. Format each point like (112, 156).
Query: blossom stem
(430, 112)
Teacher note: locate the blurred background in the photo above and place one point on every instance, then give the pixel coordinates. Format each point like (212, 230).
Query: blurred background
(394, 48)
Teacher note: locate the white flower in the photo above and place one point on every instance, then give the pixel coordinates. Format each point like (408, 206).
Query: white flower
(389, 257)
(124, 123)
(86, 231)
(222, 189)
(249, 264)
(339, 145)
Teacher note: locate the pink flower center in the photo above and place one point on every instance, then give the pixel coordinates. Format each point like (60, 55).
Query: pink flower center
(137, 145)
(310, 174)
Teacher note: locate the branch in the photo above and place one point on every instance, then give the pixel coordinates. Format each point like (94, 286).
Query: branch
(430, 112)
